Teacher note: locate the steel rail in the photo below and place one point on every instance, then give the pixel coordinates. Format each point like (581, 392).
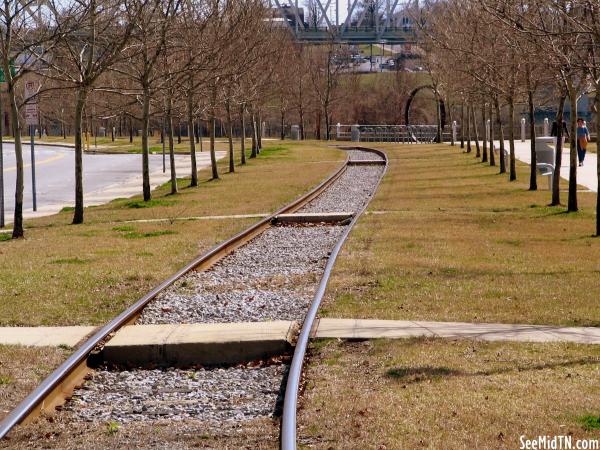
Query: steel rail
(71, 372)
(290, 402)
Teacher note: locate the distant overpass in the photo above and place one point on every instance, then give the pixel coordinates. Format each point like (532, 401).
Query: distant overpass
(322, 21)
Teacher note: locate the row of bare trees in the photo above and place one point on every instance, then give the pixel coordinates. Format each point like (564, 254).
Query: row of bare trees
(488, 57)
(148, 60)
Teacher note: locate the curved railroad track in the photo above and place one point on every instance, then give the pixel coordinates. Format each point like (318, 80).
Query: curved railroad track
(275, 270)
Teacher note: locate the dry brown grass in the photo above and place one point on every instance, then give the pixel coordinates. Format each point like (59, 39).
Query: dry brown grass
(436, 394)
(255, 435)
(458, 242)
(22, 369)
(71, 275)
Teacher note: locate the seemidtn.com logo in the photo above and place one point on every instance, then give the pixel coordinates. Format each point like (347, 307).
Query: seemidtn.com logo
(558, 443)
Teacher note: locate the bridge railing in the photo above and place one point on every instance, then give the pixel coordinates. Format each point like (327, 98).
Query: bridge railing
(407, 134)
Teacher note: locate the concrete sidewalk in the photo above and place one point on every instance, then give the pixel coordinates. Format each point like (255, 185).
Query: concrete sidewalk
(586, 175)
(399, 329)
(254, 337)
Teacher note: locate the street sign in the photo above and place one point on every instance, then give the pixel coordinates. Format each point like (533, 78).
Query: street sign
(13, 72)
(31, 88)
(31, 114)
(31, 107)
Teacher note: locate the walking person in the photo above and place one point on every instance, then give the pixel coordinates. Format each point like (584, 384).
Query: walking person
(583, 137)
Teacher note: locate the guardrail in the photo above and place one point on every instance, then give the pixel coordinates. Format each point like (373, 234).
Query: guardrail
(405, 134)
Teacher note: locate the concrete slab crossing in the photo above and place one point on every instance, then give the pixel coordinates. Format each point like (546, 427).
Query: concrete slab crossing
(206, 344)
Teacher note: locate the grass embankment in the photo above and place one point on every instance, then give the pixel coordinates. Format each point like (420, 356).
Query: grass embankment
(457, 242)
(427, 393)
(73, 275)
(122, 144)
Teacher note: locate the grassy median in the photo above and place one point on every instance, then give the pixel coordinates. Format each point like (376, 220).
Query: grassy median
(73, 275)
(433, 394)
(449, 239)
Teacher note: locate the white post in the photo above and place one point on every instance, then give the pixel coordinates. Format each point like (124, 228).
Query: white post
(454, 130)
(546, 127)
(523, 129)
(338, 130)
(355, 133)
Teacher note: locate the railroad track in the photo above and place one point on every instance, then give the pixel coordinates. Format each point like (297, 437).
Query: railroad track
(275, 270)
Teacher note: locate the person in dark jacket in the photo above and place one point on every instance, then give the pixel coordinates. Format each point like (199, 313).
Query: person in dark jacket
(554, 132)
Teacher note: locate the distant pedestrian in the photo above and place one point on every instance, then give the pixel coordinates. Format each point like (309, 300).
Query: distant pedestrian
(583, 137)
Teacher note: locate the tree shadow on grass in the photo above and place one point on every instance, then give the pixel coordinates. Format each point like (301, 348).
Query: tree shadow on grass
(409, 375)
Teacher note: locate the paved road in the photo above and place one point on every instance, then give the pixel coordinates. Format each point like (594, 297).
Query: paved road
(106, 177)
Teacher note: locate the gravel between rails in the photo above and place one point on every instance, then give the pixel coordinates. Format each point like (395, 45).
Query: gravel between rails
(350, 192)
(273, 277)
(363, 155)
(213, 395)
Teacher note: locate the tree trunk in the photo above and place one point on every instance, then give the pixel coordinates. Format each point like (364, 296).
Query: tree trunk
(130, 131)
(327, 124)
(178, 130)
(254, 151)
(511, 137)
(79, 105)
(145, 148)
(451, 117)
(282, 118)
(242, 135)
(213, 156)
(230, 136)
(18, 231)
(171, 138)
(301, 113)
(190, 123)
(318, 125)
(572, 205)
(438, 119)
(597, 103)
(492, 155)
(462, 125)
(259, 131)
(476, 132)
(500, 137)
(559, 149)
(533, 167)
(468, 130)
(484, 154)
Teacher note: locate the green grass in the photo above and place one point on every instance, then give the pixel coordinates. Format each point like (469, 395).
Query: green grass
(138, 235)
(5, 237)
(590, 422)
(138, 204)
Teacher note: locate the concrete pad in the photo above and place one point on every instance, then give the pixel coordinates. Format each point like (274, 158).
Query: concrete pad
(397, 329)
(44, 336)
(206, 344)
(366, 162)
(332, 217)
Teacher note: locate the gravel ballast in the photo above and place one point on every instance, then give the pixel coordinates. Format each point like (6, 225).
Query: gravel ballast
(215, 395)
(273, 277)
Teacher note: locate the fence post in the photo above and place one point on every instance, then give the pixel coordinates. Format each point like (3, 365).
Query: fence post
(523, 129)
(546, 127)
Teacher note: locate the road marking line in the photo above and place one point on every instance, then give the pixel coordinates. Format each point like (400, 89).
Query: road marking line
(38, 163)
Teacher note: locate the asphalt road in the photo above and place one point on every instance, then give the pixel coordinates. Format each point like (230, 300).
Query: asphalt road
(105, 177)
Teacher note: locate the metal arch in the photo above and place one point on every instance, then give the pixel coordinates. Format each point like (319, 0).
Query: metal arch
(411, 98)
